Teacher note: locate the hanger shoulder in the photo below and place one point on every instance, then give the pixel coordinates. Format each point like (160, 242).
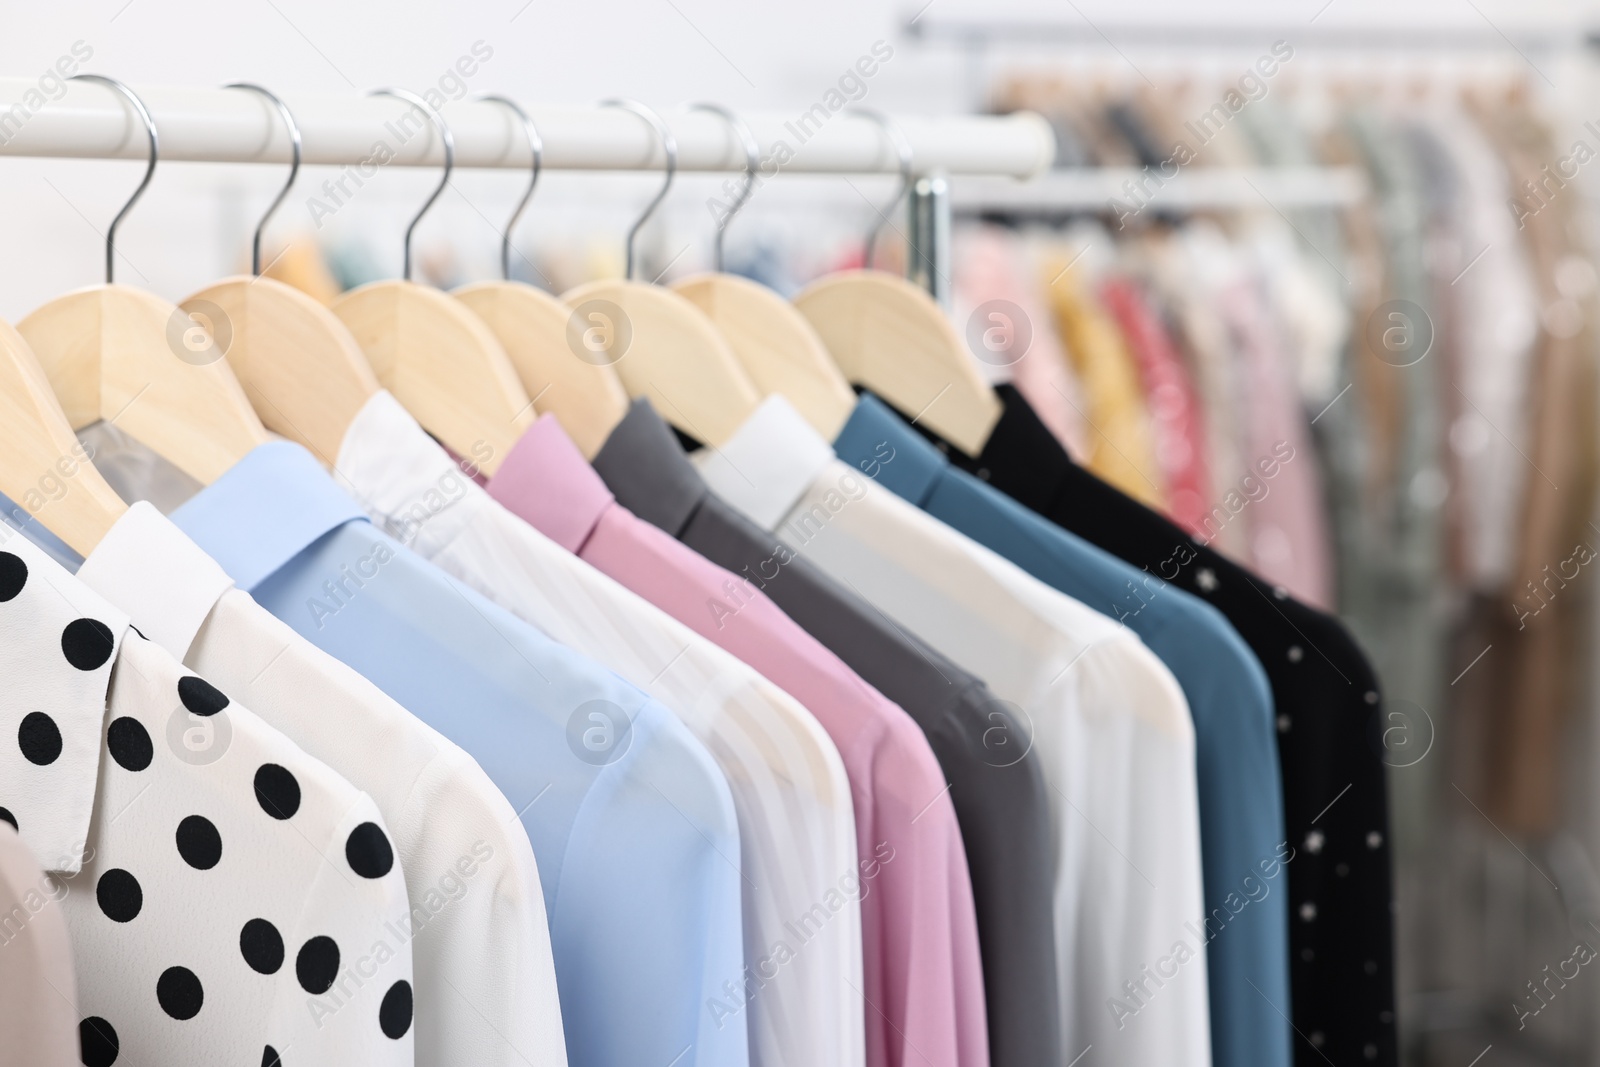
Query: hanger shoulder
(586, 398)
(43, 468)
(776, 345)
(672, 354)
(119, 353)
(891, 337)
(299, 366)
(443, 364)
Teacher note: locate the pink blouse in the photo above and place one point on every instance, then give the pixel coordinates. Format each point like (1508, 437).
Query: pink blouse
(924, 985)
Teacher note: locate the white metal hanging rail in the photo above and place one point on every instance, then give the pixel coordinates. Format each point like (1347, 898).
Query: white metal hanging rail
(219, 126)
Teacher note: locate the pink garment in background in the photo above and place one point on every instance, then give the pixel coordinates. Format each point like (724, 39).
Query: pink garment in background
(1174, 405)
(1288, 529)
(989, 265)
(924, 979)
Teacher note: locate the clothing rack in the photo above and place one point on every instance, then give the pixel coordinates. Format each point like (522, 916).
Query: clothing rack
(88, 121)
(1092, 189)
(976, 35)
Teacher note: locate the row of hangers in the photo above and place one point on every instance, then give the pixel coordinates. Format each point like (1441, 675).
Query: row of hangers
(473, 366)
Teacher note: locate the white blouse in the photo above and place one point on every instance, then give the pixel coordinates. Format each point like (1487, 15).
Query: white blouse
(230, 899)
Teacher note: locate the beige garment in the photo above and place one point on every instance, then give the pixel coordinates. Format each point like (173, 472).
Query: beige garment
(1538, 634)
(38, 996)
(1122, 446)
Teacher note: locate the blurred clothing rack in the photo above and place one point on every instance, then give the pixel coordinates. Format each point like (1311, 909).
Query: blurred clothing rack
(975, 35)
(1092, 189)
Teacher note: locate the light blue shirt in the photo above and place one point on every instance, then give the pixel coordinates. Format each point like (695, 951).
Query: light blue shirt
(1241, 794)
(631, 820)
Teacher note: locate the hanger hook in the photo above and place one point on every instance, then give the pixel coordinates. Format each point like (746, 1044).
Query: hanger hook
(752, 160)
(902, 147)
(536, 148)
(294, 166)
(669, 145)
(443, 128)
(149, 172)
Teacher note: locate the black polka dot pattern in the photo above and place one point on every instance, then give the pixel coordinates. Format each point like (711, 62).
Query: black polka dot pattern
(317, 965)
(179, 992)
(129, 744)
(199, 843)
(87, 643)
(277, 791)
(270, 1057)
(394, 1014)
(367, 851)
(261, 946)
(5, 814)
(119, 895)
(39, 738)
(200, 696)
(13, 576)
(97, 1042)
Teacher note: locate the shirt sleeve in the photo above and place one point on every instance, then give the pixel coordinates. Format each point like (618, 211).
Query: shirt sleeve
(662, 816)
(344, 992)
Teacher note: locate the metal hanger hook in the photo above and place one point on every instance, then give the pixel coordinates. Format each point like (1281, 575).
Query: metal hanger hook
(294, 166)
(536, 149)
(669, 145)
(903, 150)
(149, 172)
(449, 140)
(752, 160)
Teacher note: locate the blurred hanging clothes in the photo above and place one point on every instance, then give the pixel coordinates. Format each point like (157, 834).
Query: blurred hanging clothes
(1391, 562)
(1539, 635)
(1175, 416)
(990, 264)
(1176, 269)
(1283, 520)
(1122, 447)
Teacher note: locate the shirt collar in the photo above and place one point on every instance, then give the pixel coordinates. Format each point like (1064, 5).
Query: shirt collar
(880, 443)
(58, 642)
(1021, 456)
(545, 480)
(768, 463)
(643, 464)
(404, 479)
(264, 511)
(147, 567)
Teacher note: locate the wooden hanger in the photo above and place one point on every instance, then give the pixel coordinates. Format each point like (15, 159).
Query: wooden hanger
(586, 398)
(441, 361)
(890, 336)
(304, 373)
(43, 468)
(118, 353)
(777, 346)
(663, 347)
